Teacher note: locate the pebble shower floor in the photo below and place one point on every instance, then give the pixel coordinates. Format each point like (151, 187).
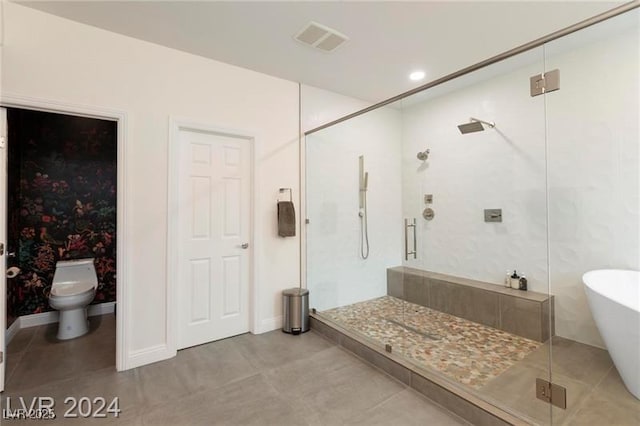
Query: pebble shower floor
(465, 351)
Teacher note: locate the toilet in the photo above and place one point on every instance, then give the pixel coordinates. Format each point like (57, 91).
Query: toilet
(74, 287)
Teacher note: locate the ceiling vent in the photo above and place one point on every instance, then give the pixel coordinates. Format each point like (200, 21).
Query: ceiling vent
(320, 37)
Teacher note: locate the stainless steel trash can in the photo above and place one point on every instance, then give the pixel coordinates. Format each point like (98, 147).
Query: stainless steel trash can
(295, 310)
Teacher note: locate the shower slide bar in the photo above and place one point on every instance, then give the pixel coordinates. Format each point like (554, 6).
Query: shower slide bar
(408, 253)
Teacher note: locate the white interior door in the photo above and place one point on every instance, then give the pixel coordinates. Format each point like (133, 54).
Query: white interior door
(3, 242)
(214, 229)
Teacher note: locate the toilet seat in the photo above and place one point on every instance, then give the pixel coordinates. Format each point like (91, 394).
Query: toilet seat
(71, 289)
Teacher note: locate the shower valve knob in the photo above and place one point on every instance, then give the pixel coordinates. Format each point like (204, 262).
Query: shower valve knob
(428, 213)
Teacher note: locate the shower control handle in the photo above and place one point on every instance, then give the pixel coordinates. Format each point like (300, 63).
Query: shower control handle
(408, 225)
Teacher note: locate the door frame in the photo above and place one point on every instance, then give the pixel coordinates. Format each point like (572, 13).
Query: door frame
(4, 213)
(123, 289)
(177, 124)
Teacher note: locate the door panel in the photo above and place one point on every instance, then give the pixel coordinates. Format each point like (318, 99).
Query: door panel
(201, 189)
(200, 291)
(232, 188)
(214, 224)
(232, 285)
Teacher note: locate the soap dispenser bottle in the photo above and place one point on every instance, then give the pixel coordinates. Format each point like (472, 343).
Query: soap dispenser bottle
(522, 283)
(515, 280)
(507, 279)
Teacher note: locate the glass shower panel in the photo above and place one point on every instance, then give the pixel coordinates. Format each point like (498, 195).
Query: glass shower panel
(449, 189)
(353, 201)
(479, 202)
(594, 221)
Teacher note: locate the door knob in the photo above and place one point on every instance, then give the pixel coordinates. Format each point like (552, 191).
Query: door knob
(245, 246)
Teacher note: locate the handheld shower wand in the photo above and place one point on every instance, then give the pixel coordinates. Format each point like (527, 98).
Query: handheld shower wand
(362, 213)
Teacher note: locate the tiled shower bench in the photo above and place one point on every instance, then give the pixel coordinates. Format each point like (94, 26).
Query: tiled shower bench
(523, 313)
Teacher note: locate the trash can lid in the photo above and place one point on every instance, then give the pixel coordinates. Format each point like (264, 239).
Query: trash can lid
(295, 292)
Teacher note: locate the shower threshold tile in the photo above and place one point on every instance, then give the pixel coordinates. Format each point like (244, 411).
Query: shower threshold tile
(467, 352)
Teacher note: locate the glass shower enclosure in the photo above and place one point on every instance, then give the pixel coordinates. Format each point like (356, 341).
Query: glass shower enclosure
(451, 228)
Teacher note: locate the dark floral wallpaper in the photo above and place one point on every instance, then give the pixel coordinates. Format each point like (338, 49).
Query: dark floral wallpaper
(61, 203)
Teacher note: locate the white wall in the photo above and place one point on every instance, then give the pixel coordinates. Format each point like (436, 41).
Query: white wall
(336, 274)
(50, 58)
(593, 164)
(499, 168)
(321, 106)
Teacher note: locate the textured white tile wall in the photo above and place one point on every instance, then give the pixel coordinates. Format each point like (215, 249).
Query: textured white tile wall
(594, 165)
(587, 135)
(499, 168)
(592, 136)
(336, 274)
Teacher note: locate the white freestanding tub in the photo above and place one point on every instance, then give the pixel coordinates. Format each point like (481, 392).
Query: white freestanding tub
(614, 299)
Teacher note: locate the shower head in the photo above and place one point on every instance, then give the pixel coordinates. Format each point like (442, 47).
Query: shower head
(471, 127)
(475, 125)
(423, 155)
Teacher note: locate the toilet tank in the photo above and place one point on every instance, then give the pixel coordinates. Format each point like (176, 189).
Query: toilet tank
(75, 271)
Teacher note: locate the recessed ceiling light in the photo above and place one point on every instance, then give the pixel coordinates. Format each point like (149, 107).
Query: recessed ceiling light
(416, 75)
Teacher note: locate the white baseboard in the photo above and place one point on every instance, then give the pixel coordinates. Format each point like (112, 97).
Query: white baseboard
(35, 320)
(148, 355)
(101, 309)
(43, 318)
(12, 331)
(269, 324)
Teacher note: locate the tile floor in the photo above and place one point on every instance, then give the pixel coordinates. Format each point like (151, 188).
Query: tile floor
(267, 379)
(596, 395)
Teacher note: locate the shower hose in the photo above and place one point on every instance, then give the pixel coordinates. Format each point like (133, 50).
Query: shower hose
(364, 230)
